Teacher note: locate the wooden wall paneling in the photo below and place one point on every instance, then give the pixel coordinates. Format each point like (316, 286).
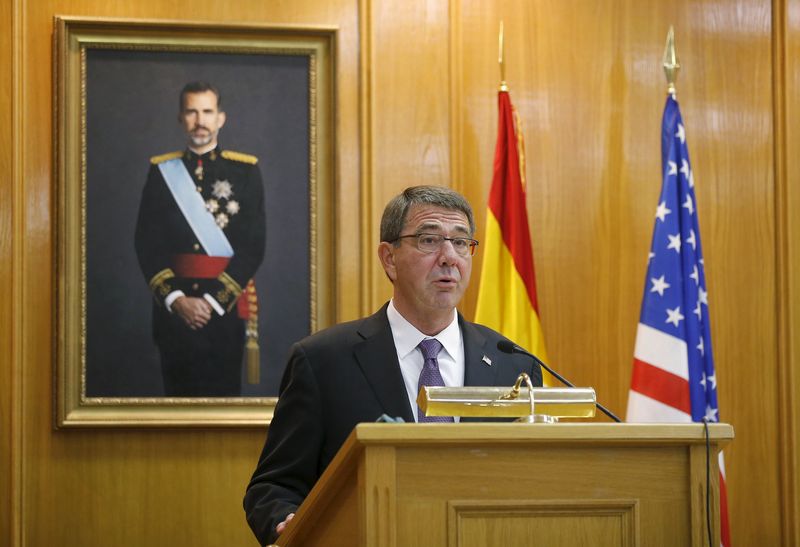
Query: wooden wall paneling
(456, 95)
(571, 95)
(787, 139)
(34, 266)
(9, 371)
(588, 84)
(732, 109)
(410, 124)
(139, 487)
(348, 158)
(365, 90)
(587, 81)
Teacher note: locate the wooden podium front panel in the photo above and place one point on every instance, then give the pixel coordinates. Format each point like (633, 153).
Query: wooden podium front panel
(486, 524)
(599, 493)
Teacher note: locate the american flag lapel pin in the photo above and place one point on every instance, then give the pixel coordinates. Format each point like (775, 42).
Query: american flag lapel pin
(487, 360)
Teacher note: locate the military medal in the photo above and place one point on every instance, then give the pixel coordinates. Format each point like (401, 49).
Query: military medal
(198, 172)
(222, 189)
(223, 192)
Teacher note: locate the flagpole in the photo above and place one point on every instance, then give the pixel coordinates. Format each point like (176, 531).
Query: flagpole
(670, 62)
(500, 59)
(507, 300)
(654, 395)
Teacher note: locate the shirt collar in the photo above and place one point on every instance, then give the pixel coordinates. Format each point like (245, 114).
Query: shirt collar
(211, 155)
(407, 337)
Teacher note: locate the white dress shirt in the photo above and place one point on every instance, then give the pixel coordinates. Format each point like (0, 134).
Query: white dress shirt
(406, 339)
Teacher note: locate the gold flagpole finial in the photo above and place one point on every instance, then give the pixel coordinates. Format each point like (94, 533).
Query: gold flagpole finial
(670, 62)
(501, 55)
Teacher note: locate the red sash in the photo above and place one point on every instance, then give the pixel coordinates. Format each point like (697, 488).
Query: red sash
(199, 266)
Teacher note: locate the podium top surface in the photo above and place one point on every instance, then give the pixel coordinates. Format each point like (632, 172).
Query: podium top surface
(628, 433)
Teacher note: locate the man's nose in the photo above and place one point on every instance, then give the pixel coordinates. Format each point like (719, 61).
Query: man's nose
(447, 253)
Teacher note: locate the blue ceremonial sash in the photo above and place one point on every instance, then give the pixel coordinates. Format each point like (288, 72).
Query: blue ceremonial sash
(191, 204)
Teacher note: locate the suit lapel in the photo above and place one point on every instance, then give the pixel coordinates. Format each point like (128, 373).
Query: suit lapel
(377, 357)
(480, 367)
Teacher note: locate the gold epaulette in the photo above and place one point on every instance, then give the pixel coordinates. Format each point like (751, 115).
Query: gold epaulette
(239, 156)
(155, 160)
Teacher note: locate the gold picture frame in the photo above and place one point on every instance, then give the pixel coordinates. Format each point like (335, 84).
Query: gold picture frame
(112, 79)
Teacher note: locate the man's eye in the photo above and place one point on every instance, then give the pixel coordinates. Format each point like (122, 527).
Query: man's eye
(460, 243)
(428, 239)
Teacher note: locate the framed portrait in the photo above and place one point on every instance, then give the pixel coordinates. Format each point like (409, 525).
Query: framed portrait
(131, 241)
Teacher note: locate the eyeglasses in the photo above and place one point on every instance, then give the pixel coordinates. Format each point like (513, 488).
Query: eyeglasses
(431, 243)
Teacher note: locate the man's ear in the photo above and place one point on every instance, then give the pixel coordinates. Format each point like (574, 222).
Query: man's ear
(386, 256)
(221, 119)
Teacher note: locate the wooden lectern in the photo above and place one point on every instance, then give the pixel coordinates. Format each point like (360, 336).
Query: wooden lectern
(508, 484)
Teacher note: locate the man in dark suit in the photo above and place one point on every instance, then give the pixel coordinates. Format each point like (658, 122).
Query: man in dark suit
(355, 372)
(200, 239)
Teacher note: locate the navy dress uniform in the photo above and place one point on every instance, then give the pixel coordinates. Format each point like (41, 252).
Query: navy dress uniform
(173, 256)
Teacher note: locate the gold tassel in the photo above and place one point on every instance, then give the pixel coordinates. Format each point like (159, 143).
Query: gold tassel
(253, 361)
(253, 352)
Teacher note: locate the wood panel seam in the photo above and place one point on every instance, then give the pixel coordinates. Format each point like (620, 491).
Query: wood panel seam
(366, 163)
(17, 270)
(455, 61)
(786, 417)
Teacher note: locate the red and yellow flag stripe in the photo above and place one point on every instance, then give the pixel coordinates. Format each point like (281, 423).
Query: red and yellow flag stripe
(507, 300)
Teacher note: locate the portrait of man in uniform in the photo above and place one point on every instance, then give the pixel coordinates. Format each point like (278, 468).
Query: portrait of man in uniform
(196, 217)
(200, 237)
(201, 205)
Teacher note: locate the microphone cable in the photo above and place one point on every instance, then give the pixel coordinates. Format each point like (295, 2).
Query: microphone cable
(708, 481)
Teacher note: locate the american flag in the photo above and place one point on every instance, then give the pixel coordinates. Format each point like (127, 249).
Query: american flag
(673, 367)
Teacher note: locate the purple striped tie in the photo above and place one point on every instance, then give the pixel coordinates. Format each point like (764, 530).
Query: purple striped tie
(430, 376)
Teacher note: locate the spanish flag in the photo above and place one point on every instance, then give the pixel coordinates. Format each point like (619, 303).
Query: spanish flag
(507, 295)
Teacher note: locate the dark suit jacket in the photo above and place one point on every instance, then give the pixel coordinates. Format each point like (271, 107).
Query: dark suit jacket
(335, 379)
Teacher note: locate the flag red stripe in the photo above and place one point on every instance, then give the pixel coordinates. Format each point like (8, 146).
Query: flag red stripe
(725, 531)
(661, 385)
(507, 198)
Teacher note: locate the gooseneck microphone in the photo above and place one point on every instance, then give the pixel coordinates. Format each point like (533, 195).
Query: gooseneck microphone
(507, 346)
